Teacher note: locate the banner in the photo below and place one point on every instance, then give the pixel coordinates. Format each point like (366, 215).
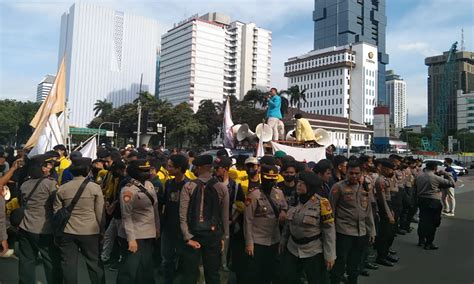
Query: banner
(301, 154)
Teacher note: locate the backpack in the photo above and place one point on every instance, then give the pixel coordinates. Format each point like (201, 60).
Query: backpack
(205, 196)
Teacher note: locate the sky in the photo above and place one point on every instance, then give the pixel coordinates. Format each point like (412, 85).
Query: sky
(29, 36)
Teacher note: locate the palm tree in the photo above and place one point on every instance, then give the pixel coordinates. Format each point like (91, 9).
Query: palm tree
(102, 108)
(257, 97)
(145, 98)
(296, 96)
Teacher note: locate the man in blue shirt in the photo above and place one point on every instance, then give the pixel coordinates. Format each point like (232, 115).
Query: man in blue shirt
(274, 114)
(447, 195)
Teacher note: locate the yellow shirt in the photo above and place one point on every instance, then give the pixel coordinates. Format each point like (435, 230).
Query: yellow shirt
(163, 175)
(304, 131)
(190, 175)
(64, 163)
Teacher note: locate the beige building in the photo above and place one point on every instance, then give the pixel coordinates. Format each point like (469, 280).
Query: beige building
(463, 80)
(465, 111)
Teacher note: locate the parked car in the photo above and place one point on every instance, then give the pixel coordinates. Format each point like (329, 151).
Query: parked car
(459, 170)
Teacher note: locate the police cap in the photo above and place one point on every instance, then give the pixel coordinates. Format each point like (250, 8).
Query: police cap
(80, 161)
(386, 163)
(269, 172)
(202, 160)
(140, 164)
(222, 162)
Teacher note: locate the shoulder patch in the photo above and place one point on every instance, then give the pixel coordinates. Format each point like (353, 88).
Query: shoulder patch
(326, 211)
(248, 201)
(127, 196)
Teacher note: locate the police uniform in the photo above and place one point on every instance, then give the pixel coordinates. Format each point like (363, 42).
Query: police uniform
(204, 218)
(429, 187)
(309, 238)
(140, 223)
(35, 232)
(354, 225)
(386, 231)
(398, 193)
(262, 229)
(83, 228)
(409, 207)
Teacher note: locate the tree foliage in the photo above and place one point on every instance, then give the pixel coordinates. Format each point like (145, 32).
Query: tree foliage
(15, 117)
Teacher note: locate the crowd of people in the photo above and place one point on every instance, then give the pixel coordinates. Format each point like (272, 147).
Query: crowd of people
(266, 220)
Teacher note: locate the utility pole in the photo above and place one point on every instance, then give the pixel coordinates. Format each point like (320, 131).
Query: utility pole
(349, 108)
(139, 123)
(139, 112)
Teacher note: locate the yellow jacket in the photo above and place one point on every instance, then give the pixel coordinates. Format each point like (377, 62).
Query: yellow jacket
(304, 132)
(64, 163)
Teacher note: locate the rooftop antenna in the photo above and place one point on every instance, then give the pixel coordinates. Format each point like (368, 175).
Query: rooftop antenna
(462, 39)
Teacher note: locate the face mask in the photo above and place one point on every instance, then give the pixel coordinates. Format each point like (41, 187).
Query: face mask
(289, 178)
(2, 168)
(251, 173)
(267, 185)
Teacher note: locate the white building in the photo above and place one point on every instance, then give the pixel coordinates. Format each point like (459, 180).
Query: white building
(209, 57)
(465, 113)
(44, 87)
(324, 74)
(107, 52)
(396, 92)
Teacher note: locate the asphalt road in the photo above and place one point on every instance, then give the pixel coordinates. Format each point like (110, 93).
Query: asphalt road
(453, 263)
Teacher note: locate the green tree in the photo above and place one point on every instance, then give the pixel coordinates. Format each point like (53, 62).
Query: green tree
(257, 97)
(296, 96)
(208, 115)
(102, 108)
(15, 117)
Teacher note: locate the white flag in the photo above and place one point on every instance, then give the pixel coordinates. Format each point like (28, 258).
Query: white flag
(90, 149)
(49, 137)
(228, 123)
(260, 149)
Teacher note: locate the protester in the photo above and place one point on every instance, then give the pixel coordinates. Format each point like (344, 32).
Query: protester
(447, 195)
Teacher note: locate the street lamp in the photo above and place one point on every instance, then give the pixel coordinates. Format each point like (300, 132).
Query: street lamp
(105, 122)
(160, 128)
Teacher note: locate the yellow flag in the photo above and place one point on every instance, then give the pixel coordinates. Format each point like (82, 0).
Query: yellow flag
(53, 104)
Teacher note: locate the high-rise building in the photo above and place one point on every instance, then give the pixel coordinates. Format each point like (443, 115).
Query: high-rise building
(463, 80)
(44, 87)
(341, 22)
(157, 80)
(107, 53)
(209, 57)
(465, 111)
(324, 74)
(396, 92)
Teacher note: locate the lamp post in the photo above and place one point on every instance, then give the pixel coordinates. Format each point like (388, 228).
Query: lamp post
(349, 107)
(105, 122)
(160, 128)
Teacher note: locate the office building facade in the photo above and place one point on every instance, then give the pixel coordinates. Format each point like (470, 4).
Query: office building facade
(324, 74)
(44, 87)
(210, 57)
(463, 80)
(341, 22)
(396, 92)
(465, 111)
(109, 55)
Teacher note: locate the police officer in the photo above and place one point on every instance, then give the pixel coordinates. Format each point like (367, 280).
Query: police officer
(35, 232)
(204, 220)
(409, 207)
(355, 227)
(84, 226)
(171, 237)
(3, 226)
(309, 235)
(248, 182)
(140, 225)
(383, 186)
(429, 186)
(264, 211)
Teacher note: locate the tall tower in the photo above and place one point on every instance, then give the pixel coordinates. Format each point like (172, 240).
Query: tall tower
(341, 22)
(396, 91)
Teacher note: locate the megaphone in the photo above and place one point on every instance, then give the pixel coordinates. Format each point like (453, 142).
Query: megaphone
(244, 133)
(235, 129)
(264, 132)
(290, 135)
(322, 137)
